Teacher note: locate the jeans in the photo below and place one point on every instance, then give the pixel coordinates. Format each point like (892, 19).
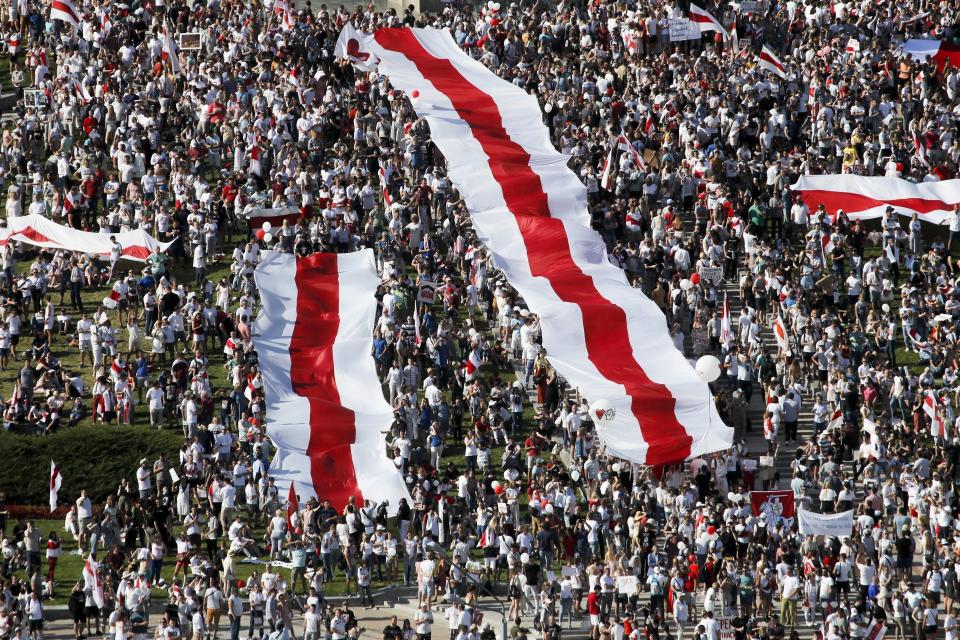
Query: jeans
(366, 597)
(156, 566)
(566, 609)
(234, 627)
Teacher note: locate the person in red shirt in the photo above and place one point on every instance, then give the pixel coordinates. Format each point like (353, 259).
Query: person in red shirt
(593, 608)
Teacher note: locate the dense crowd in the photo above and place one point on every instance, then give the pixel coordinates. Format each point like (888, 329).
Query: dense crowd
(532, 508)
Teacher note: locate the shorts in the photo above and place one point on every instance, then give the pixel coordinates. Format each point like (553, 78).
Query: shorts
(84, 345)
(36, 625)
(79, 617)
(92, 612)
(594, 619)
(213, 616)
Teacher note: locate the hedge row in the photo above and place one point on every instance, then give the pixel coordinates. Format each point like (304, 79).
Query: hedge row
(91, 457)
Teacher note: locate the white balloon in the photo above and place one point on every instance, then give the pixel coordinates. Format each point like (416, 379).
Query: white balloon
(267, 226)
(548, 107)
(602, 411)
(685, 284)
(886, 308)
(708, 368)
(268, 238)
(524, 558)
(109, 303)
(574, 475)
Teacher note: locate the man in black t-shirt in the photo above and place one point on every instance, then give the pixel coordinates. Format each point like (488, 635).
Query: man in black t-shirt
(392, 631)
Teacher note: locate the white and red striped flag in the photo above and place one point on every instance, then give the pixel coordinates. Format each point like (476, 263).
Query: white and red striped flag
(726, 329)
(606, 176)
(705, 21)
(416, 323)
(931, 406)
(920, 150)
(876, 631)
(940, 51)
(387, 200)
(170, 52)
(768, 60)
(602, 335)
(865, 198)
(826, 241)
(836, 419)
(91, 580)
(66, 11)
(780, 333)
(56, 480)
(472, 365)
(625, 145)
(293, 508)
(254, 167)
(325, 402)
(80, 90)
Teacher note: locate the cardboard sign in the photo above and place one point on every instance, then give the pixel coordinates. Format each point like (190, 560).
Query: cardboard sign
(34, 99)
(713, 274)
(700, 341)
(427, 292)
(821, 524)
(627, 585)
(681, 29)
(766, 461)
(190, 41)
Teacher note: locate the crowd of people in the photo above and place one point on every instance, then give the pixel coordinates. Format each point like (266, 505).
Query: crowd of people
(261, 115)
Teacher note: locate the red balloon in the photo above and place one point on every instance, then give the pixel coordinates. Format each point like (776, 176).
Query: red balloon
(695, 278)
(415, 94)
(711, 529)
(260, 234)
(498, 489)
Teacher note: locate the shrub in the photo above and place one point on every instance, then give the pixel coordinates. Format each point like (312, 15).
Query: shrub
(91, 457)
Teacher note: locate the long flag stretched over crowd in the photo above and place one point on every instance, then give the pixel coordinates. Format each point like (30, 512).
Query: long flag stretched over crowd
(327, 412)
(530, 210)
(42, 232)
(868, 197)
(940, 51)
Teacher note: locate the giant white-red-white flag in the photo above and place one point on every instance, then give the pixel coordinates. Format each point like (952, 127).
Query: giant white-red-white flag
(940, 51)
(863, 198)
(604, 336)
(40, 231)
(91, 580)
(55, 481)
(66, 11)
(326, 407)
(705, 21)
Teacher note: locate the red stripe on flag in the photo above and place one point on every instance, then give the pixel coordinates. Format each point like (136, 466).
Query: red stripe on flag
(65, 8)
(332, 426)
(768, 59)
(854, 202)
(548, 250)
